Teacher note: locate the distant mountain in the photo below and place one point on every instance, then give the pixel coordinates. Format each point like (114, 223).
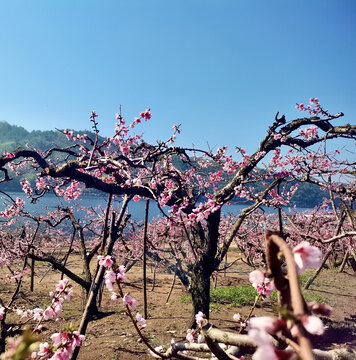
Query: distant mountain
(12, 136)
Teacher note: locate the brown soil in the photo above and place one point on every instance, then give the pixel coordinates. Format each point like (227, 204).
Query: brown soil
(112, 336)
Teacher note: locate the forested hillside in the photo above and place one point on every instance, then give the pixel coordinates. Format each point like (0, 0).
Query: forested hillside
(12, 136)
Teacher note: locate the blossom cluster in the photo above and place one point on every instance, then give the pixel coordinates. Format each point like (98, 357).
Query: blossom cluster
(70, 135)
(12, 210)
(309, 133)
(261, 329)
(63, 346)
(9, 155)
(63, 343)
(261, 283)
(16, 275)
(26, 187)
(73, 191)
(204, 210)
(119, 276)
(112, 276)
(313, 108)
(63, 292)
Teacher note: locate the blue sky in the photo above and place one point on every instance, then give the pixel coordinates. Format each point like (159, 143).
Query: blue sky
(220, 68)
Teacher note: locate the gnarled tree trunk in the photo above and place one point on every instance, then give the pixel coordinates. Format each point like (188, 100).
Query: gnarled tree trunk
(206, 243)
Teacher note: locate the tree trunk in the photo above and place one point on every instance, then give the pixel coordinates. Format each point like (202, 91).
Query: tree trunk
(207, 242)
(3, 334)
(200, 289)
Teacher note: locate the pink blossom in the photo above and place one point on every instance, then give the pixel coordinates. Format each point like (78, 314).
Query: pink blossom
(37, 314)
(58, 308)
(93, 115)
(69, 134)
(20, 312)
(312, 324)
(77, 339)
(40, 184)
(105, 261)
(26, 187)
(192, 217)
(114, 296)
(48, 313)
(129, 301)
(59, 338)
(110, 278)
(199, 318)
(73, 191)
(256, 277)
(176, 128)
(190, 336)
(125, 149)
(110, 275)
(265, 353)
(19, 202)
(306, 256)
(121, 274)
(146, 114)
(141, 321)
(44, 349)
(236, 317)
(265, 349)
(262, 284)
(265, 323)
(9, 155)
(61, 354)
(67, 294)
(62, 284)
(2, 312)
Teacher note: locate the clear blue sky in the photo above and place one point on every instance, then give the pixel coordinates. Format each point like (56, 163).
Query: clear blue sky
(220, 68)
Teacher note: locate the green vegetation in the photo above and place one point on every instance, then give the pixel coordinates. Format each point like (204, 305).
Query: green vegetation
(245, 295)
(42, 263)
(303, 278)
(234, 295)
(310, 295)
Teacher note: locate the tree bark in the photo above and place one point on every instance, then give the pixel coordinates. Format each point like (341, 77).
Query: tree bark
(207, 244)
(200, 289)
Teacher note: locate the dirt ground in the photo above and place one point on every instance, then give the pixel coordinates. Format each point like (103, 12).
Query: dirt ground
(112, 336)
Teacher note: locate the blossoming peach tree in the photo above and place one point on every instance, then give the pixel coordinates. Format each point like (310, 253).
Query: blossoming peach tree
(193, 185)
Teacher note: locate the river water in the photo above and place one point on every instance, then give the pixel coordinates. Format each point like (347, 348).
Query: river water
(136, 209)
